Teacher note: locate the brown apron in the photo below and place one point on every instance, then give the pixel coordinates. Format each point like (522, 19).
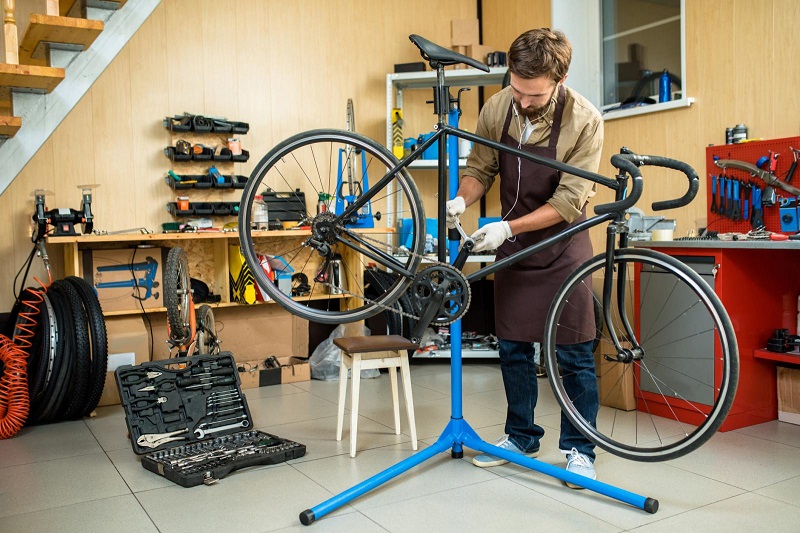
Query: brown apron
(524, 290)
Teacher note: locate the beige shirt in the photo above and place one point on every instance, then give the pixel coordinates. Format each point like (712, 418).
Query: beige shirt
(580, 144)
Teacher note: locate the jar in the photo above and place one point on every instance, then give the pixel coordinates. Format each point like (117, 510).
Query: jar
(235, 146)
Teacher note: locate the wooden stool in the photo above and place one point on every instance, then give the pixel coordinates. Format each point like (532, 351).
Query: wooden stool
(359, 353)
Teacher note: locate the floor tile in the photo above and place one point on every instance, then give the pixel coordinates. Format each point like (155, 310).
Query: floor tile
(319, 437)
(775, 431)
(439, 473)
(129, 466)
(109, 428)
(498, 505)
(475, 378)
(288, 408)
(746, 512)
(120, 514)
(250, 500)
(46, 442)
(272, 390)
(352, 522)
(676, 490)
(743, 461)
(56, 483)
(786, 491)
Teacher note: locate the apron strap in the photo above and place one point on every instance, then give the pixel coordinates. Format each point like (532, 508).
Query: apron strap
(555, 129)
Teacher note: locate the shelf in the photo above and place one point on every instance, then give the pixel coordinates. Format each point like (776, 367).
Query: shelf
(465, 354)
(471, 77)
(433, 164)
(431, 258)
(792, 358)
(156, 237)
(9, 126)
(222, 305)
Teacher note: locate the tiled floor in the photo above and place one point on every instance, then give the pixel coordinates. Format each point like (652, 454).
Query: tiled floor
(83, 476)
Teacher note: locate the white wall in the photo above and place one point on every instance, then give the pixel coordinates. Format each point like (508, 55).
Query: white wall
(580, 21)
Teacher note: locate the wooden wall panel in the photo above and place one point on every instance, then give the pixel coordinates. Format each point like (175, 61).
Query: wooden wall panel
(290, 66)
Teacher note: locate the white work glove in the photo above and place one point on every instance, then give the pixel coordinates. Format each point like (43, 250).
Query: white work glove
(491, 236)
(455, 208)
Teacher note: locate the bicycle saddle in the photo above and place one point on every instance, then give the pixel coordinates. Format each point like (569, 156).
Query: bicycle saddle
(436, 55)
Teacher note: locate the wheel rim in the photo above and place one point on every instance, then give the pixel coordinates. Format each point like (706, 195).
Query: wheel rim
(312, 162)
(206, 330)
(673, 399)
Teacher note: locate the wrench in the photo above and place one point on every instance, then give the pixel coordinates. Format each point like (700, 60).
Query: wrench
(200, 433)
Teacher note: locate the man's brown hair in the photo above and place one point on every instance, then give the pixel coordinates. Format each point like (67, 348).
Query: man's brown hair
(540, 52)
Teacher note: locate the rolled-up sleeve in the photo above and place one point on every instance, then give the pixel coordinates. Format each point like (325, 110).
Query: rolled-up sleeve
(573, 192)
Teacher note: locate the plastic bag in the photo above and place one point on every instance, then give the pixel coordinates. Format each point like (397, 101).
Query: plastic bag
(327, 357)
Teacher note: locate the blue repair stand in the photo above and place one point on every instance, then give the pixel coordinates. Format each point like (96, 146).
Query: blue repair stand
(458, 432)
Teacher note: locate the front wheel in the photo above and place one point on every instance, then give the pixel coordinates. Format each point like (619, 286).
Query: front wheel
(324, 172)
(178, 295)
(671, 386)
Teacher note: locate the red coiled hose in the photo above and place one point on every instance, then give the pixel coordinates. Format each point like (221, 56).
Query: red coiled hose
(14, 400)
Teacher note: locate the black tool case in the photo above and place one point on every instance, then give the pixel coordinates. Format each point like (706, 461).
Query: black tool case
(189, 419)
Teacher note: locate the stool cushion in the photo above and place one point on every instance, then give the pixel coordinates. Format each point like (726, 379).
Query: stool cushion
(374, 343)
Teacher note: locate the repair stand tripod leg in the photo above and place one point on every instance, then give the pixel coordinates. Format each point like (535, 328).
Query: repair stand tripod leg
(458, 433)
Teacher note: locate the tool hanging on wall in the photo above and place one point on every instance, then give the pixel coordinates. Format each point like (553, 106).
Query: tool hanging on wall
(793, 167)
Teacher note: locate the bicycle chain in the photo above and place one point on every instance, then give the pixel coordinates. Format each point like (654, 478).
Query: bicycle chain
(397, 249)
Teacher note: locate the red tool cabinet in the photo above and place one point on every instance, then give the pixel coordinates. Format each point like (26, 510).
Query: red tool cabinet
(758, 284)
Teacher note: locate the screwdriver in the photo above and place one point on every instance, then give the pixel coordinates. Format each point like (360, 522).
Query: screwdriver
(184, 382)
(214, 381)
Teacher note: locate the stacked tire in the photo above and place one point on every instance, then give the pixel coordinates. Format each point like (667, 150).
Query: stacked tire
(68, 360)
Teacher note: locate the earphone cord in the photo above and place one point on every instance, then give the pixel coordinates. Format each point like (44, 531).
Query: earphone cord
(519, 160)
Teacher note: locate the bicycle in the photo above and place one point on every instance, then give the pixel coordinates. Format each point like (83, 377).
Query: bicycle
(678, 407)
(190, 332)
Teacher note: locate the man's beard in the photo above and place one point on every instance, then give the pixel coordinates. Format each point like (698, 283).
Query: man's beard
(533, 113)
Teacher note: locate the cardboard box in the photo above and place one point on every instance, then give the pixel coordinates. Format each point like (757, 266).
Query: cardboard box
(614, 380)
(479, 52)
(789, 395)
(256, 374)
(128, 344)
(124, 277)
(464, 32)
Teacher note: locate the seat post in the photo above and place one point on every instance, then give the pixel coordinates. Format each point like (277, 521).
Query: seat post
(441, 96)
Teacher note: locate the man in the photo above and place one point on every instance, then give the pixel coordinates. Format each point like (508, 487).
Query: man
(539, 115)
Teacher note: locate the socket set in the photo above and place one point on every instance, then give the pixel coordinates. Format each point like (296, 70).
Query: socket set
(190, 420)
(209, 461)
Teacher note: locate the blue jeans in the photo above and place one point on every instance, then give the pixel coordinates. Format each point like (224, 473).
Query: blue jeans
(518, 366)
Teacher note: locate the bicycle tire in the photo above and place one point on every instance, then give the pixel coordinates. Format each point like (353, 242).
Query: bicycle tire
(98, 338)
(61, 378)
(683, 401)
(309, 157)
(75, 396)
(177, 294)
(206, 331)
(39, 356)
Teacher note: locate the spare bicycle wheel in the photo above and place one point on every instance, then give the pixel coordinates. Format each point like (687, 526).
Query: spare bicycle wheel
(177, 295)
(206, 331)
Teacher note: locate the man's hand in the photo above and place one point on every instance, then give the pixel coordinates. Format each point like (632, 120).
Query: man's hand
(491, 236)
(455, 208)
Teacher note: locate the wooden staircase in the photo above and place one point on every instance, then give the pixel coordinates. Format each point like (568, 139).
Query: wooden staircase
(27, 65)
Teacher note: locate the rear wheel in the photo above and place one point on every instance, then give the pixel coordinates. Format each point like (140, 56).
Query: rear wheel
(671, 387)
(206, 331)
(316, 163)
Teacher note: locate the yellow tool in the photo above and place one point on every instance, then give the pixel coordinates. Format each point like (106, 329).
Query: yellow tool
(397, 132)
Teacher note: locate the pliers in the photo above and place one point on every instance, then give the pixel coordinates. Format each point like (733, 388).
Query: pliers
(148, 405)
(153, 388)
(154, 440)
(139, 378)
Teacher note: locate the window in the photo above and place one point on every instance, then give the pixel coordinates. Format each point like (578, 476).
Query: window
(641, 39)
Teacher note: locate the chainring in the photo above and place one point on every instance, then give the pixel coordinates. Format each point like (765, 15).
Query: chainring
(456, 288)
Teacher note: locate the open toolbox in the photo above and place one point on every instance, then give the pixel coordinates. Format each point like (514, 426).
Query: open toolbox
(189, 419)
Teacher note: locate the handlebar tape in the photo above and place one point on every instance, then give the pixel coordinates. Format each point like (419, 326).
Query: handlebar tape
(625, 163)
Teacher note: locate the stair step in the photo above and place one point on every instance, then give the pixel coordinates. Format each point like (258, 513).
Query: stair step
(76, 32)
(72, 8)
(9, 126)
(30, 77)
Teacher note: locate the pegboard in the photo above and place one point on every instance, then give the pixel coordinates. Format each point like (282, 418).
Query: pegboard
(750, 152)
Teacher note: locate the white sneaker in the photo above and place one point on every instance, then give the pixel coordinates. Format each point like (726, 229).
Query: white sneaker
(580, 464)
(485, 460)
